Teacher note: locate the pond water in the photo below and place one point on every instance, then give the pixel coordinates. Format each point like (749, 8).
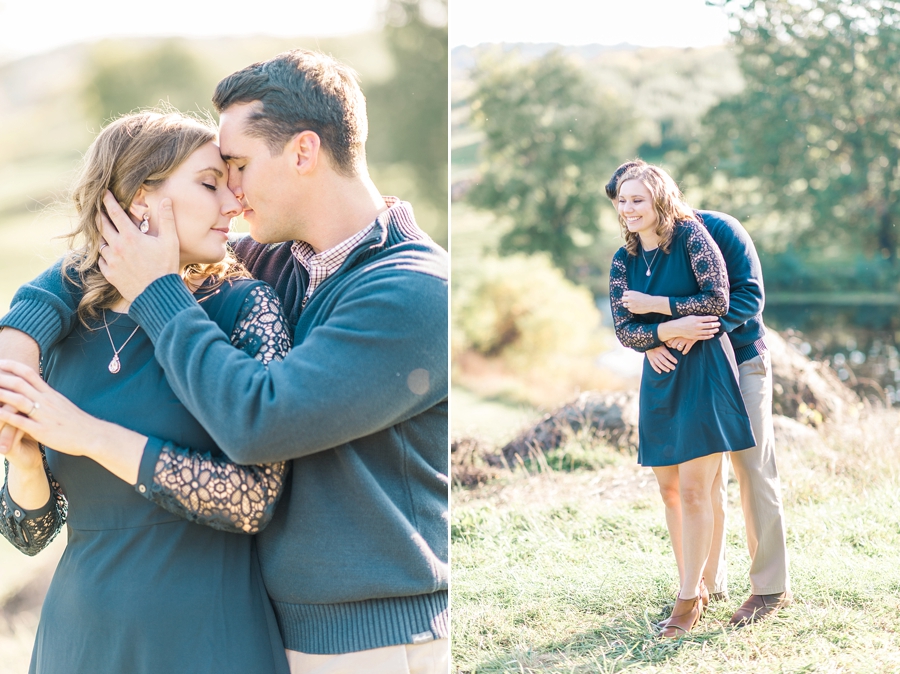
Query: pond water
(859, 341)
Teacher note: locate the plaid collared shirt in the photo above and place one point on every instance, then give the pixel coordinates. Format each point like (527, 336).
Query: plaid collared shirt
(322, 265)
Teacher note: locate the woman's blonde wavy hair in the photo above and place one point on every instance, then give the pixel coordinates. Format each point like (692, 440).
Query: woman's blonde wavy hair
(137, 150)
(668, 202)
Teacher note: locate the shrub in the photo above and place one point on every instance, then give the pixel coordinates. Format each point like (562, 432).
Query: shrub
(522, 310)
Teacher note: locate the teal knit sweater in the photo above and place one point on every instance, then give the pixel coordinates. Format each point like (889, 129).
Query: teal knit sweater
(356, 554)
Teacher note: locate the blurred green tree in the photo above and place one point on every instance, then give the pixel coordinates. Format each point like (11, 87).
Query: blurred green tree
(120, 80)
(817, 128)
(411, 107)
(551, 142)
(523, 310)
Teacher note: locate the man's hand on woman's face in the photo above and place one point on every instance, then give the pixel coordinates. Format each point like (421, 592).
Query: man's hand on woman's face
(130, 260)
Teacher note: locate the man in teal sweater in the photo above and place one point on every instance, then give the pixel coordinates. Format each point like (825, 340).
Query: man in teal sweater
(355, 559)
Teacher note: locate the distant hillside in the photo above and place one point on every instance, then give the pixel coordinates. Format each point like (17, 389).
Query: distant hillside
(668, 89)
(463, 59)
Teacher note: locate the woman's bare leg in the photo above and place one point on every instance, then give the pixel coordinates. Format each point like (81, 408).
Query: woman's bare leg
(667, 479)
(695, 479)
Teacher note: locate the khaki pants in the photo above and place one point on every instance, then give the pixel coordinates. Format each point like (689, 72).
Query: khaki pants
(429, 658)
(760, 488)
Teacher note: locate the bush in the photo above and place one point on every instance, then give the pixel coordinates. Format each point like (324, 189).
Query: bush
(521, 309)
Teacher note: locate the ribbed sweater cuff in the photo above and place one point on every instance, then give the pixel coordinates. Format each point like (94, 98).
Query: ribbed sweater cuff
(36, 319)
(362, 625)
(160, 302)
(744, 353)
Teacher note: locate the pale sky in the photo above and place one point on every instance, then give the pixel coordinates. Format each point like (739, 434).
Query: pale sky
(33, 26)
(648, 23)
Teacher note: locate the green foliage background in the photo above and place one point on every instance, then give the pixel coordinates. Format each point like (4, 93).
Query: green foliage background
(794, 128)
(52, 105)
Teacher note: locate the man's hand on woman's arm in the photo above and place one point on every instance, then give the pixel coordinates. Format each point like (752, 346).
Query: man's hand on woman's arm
(641, 303)
(689, 327)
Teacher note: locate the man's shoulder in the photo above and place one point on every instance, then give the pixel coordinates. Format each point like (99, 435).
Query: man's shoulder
(718, 221)
(247, 249)
(420, 257)
(404, 245)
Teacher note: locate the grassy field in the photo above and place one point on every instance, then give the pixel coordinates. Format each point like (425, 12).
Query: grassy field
(565, 571)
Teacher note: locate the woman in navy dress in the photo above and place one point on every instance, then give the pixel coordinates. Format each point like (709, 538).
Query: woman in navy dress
(668, 282)
(159, 574)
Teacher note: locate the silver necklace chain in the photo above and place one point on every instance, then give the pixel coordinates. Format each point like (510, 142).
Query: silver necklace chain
(652, 260)
(115, 364)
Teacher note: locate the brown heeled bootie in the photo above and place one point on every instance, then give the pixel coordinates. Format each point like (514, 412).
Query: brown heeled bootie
(685, 614)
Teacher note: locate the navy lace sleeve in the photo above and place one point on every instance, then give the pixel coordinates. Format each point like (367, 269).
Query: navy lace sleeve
(630, 332)
(709, 270)
(32, 531)
(212, 490)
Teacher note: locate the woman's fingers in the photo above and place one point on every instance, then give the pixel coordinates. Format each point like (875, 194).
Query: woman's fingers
(23, 423)
(22, 404)
(25, 372)
(16, 384)
(661, 360)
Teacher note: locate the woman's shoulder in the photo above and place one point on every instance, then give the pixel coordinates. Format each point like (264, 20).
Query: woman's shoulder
(223, 300)
(688, 232)
(621, 255)
(687, 227)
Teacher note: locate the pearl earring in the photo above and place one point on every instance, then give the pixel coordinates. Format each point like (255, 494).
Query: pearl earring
(145, 224)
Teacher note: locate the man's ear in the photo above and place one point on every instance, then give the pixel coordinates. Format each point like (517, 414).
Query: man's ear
(304, 150)
(139, 205)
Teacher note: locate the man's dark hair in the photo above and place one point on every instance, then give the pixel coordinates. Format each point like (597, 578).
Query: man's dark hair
(612, 187)
(302, 90)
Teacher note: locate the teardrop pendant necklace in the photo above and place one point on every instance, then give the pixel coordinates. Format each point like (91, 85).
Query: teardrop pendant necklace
(115, 364)
(652, 260)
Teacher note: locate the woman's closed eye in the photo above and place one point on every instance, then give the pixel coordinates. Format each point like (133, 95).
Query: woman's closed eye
(211, 188)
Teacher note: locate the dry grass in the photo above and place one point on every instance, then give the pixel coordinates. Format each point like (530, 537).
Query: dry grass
(564, 571)
(23, 584)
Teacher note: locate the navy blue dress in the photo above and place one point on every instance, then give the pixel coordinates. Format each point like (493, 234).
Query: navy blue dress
(697, 409)
(140, 589)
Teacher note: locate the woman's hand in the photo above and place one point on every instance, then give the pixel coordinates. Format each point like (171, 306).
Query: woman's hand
(26, 482)
(681, 344)
(43, 413)
(53, 420)
(661, 359)
(23, 453)
(640, 303)
(688, 327)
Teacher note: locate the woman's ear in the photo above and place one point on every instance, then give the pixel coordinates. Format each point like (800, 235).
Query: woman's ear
(139, 205)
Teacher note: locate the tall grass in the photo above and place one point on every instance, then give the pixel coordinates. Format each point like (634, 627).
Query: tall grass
(566, 571)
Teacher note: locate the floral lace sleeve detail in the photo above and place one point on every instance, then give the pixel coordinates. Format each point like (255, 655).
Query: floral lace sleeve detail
(261, 330)
(712, 277)
(31, 532)
(631, 333)
(212, 490)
